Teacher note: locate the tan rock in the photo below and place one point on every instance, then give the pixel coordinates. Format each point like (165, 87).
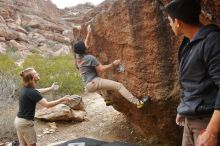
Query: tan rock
(63, 50)
(2, 39)
(21, 47)
(76, 103)
(2, 47)
(54, 36)
(60, 112)
(16, 27)
(5, 30)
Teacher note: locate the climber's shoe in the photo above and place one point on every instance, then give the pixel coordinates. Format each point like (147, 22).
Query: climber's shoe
(142, 102)
(108, 102)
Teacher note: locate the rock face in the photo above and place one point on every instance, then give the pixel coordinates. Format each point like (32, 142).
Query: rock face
(73, 111)
(22, 21)
(138, 33)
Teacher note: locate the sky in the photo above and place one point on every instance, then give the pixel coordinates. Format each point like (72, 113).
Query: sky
(67, 3)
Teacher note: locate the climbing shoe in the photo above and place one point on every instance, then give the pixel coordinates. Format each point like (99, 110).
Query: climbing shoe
(108, 102)
(142, 102)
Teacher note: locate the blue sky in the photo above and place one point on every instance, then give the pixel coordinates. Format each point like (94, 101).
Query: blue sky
(67, 3)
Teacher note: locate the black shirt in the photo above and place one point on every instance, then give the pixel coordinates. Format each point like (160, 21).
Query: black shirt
(28, 99)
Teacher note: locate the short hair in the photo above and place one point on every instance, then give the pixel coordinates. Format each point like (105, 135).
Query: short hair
(79, 47)
(187, 11)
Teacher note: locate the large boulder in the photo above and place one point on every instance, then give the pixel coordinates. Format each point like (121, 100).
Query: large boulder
(137, 32)
(60, 112)
(146, 46)
(74, 110)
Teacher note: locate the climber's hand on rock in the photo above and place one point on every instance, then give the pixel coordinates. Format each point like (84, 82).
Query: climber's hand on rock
(89, 28)
(116, 62)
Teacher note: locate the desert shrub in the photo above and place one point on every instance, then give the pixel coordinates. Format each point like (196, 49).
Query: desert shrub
(9, 89)
(9, 83)
(51, 44)
(58, 69)
(34, 51)
(8, 80)
(14, 53)
(7, 64)
(12, 49)
(8, 130)
(27, 28)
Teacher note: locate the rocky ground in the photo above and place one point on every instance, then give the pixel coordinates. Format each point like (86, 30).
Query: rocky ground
(102, 123)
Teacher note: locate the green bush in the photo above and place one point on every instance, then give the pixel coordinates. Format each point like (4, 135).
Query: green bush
(11, 50)
(7, 65)
(27, 28)
(56, 69)
(34, 51)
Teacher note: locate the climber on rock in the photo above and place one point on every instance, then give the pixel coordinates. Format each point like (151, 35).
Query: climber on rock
(89, 67)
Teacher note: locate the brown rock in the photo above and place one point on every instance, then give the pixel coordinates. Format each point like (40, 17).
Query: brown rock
(21, 47)
(137, 32)
(76, 103)
(17, 28)
(5, 30)
(60, 112)
(2, 39)
(2, 47)
(54, 36)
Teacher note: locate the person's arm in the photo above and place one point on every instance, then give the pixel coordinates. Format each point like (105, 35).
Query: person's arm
(212, 54)
(214, 124)
(43, 102)
(54, 86)
(89, 31)
(102, 68)
(210, 136)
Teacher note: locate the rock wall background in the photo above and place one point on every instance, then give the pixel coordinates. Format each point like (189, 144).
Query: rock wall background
(30, 26)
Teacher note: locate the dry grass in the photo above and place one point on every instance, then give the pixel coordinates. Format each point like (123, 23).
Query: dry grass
(8, 105)
(8, 88)
(7, 115)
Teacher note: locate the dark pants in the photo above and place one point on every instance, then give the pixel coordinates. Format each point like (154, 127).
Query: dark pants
(192, 129)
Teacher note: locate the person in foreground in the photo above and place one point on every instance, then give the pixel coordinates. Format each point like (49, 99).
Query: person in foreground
(199, 74)
(28, 98)
(89, 68)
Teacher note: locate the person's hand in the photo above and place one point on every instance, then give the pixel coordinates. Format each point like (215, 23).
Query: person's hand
(89, 28)
(66, 99)
(116, 62)
(78, 27)
(55, 86)
(207, 138)
(180, 120)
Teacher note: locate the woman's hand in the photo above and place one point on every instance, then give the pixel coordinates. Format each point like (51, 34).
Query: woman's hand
(66, 99)
(55, 86)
